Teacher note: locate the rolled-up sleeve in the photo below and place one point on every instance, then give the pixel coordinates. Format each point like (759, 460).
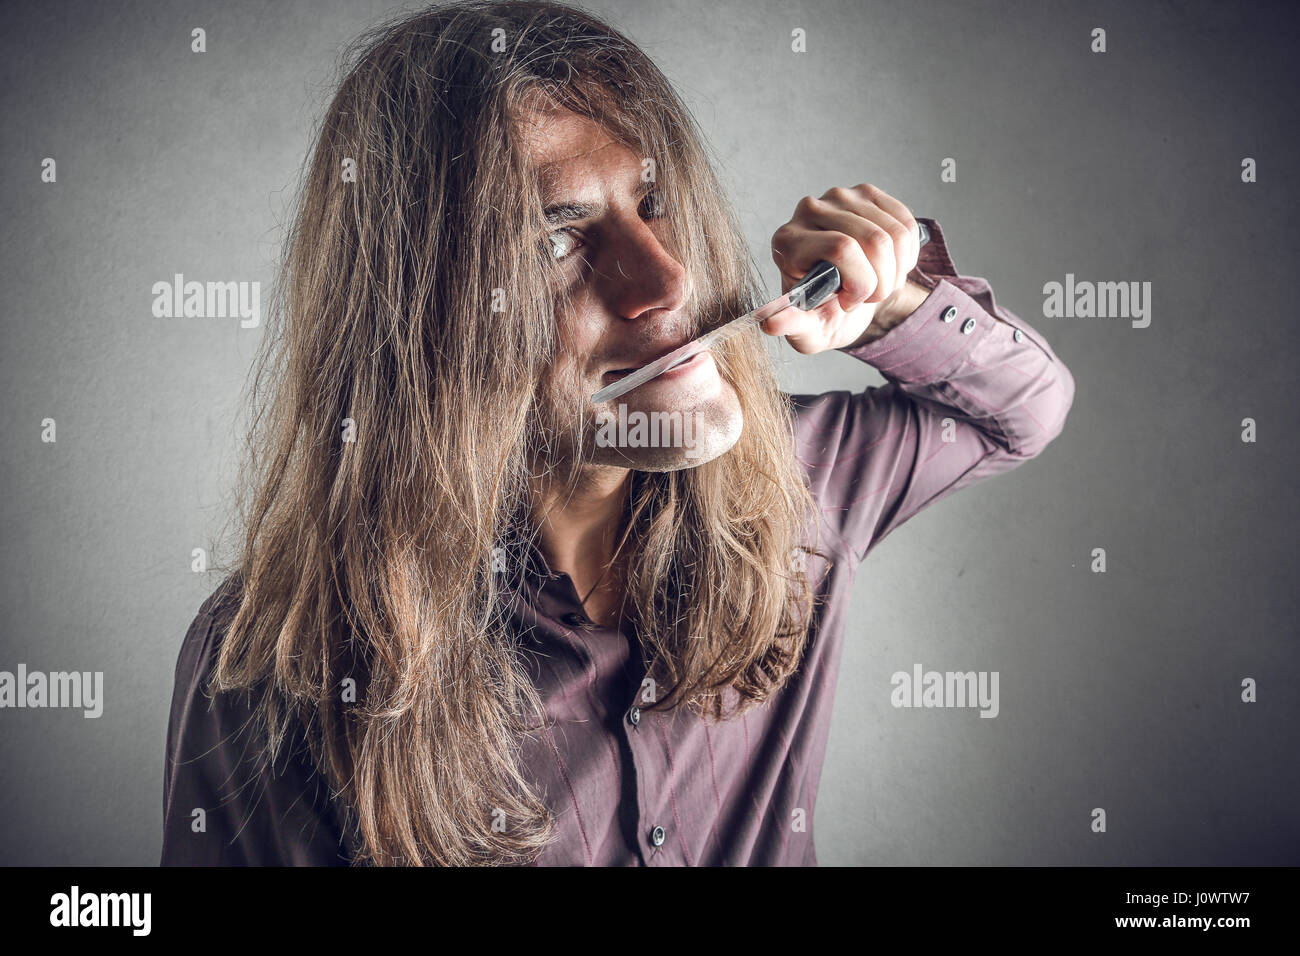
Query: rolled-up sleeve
(972, 390)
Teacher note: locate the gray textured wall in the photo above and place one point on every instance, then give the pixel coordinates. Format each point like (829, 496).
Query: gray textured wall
(1118, 690)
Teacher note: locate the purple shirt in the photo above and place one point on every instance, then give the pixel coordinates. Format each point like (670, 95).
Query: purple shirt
(637, 787)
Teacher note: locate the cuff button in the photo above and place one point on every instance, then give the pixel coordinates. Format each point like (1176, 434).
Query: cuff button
(968, 327)
(949, 313)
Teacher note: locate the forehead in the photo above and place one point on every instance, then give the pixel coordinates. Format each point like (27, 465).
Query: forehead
(565, 148)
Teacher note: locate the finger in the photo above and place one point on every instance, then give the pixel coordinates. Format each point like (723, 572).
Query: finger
(796, 248)
(882, 209)
(888, 203)
(873, 230)
(796, 322)
(907, 245)
(789, 243)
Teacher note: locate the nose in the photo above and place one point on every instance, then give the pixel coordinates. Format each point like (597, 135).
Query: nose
(641, 278)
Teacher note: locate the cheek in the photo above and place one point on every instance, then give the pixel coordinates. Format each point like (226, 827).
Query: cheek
(565, 380)
(579, 342)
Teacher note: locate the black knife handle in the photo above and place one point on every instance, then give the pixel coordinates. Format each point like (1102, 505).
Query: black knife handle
(823, 280)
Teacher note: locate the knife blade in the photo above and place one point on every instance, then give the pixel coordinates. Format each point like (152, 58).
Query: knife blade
(817, 285)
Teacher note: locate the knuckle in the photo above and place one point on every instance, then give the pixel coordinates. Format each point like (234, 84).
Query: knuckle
(880, 240)
(842, 246)
(807, 205)
(898, 231)
(837, 194)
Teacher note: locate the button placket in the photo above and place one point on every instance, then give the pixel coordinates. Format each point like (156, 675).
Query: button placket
(646, 771)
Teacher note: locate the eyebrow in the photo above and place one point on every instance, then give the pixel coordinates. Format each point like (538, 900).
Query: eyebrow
(557, 214)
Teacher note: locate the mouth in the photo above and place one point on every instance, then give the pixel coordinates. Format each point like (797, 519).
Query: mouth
(613, 375)
(679, 368)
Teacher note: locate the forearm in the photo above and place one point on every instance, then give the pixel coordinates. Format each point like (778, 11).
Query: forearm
(978, 364)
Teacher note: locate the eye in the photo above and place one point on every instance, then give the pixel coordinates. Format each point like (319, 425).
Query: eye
(563, 242)
(652, 206)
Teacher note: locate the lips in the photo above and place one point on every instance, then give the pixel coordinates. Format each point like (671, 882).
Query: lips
(682, 367)
(617, 373)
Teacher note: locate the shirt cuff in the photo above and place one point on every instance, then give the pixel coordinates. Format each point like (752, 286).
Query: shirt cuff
(931, 343)
(934, 261)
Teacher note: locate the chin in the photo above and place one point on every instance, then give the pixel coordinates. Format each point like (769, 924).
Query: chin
(715, 427)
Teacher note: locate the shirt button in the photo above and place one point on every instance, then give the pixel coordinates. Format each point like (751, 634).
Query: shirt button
(573, 619)
(1018, 335)
(949, 313)
(657, 836)
(634, 716)
(968, 327)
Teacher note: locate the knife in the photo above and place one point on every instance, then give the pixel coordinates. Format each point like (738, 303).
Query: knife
(820, 283)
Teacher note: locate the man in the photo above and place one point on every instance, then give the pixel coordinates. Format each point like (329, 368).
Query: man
(467, 626)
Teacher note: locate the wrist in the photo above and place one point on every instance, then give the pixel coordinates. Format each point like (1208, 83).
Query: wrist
(894, 311)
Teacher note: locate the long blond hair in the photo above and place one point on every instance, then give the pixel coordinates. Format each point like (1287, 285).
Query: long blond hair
(396, 415)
